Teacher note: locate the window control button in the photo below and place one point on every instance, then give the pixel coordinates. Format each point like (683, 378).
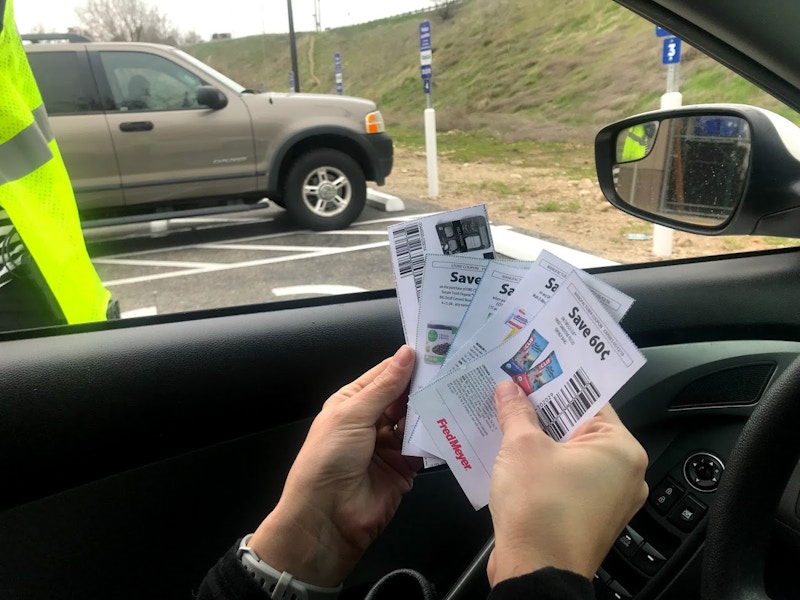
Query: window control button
(648, 559)
(617, 592)
(601, 581)
(687, 513)
(665, 495)
(628, 541)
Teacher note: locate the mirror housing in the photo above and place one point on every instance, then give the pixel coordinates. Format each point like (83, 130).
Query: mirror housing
(712, 169)
(208, 95)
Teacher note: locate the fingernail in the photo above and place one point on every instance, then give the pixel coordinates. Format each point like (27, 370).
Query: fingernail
(404, 356)
(506, 390)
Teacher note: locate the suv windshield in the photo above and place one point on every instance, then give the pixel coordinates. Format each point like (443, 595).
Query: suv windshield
(213, 73)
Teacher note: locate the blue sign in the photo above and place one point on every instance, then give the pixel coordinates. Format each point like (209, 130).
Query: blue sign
(424, 36)
(672, 51)
(661, 32)
(425, 50)
(426, 86)
(337, 61)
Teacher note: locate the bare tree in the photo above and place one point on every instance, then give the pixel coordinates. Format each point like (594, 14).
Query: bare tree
(127, 20)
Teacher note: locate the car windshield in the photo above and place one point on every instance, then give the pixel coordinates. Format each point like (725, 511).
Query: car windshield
(211, 72)
(207, 199)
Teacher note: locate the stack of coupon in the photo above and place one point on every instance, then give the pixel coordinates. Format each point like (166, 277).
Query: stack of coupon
(475, 321)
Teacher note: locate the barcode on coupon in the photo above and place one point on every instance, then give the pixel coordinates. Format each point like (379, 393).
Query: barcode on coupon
(565, 407)
(408, 250)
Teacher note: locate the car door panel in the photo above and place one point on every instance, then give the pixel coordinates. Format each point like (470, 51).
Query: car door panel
(154, 443)
(156, 137)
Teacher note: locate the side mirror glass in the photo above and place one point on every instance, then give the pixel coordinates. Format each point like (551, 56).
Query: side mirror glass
(690, 169)
(712, 169)
(211, 97)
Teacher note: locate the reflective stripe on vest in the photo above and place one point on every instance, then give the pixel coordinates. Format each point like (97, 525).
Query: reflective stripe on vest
(35, 190)
(28, 150)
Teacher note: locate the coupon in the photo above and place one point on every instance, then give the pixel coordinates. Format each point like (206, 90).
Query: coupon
(531, 295)
(500, 281)
(448, 287)
(460, 232)
(572, 357)
(464, 231)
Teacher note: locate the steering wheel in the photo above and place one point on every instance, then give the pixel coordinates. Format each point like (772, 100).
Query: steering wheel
(756, 474)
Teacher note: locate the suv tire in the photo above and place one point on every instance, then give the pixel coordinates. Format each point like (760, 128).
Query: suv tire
(325, 189)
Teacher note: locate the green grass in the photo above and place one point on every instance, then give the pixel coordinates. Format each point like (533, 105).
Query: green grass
(636, 227)
(575, 161)
(780, 241)
(734, 243)
(553, 206)
(515, 79)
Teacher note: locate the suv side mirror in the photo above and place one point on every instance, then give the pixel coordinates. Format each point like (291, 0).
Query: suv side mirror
(208, 95)
(715, 169)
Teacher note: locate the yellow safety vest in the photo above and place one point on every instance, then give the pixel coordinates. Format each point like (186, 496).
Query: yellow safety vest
(635, 147)
(35, 190)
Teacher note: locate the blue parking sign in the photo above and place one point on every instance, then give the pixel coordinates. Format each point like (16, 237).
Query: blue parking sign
(661, 32)
(672, 51)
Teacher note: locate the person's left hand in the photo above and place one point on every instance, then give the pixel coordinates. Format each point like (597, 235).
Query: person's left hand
(347, 480)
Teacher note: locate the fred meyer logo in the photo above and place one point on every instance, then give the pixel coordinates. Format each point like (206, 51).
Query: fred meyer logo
(453, 441)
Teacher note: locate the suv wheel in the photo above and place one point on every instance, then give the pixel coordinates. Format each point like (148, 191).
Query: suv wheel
(325, 189)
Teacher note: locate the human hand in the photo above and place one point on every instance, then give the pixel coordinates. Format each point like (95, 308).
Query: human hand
(347, 480)
(560, 504)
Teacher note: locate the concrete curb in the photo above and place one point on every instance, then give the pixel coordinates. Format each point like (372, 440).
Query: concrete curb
(383, 201)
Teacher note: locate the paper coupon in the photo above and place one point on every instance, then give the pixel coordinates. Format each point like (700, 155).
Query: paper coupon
(464, 231)
(570, 360)
(530, 296)
(451, 287)
(448, 287)
(500, 281)
(535, 290)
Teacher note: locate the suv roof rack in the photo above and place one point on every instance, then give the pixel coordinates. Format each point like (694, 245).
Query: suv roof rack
(72, 38)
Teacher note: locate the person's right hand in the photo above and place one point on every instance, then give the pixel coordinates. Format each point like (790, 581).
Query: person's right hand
(560, 504)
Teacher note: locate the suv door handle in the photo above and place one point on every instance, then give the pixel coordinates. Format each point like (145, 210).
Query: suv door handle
(136, 126)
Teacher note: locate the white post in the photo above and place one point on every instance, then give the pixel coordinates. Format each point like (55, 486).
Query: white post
(430, 152)
(662, 236)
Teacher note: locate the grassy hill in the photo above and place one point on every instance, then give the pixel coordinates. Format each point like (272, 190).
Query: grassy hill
(517, 70)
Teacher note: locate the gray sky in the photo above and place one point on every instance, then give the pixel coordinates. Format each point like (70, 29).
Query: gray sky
(238, 17)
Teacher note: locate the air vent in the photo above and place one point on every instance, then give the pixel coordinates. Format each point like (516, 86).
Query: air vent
(736, 386)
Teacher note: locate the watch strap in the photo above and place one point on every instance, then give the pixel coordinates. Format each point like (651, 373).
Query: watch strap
(280, 585)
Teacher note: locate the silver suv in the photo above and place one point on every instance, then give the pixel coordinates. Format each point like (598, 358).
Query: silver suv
(146, 128)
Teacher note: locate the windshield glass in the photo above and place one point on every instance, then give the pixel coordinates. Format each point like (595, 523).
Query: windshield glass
(202, 202)
(213, 73)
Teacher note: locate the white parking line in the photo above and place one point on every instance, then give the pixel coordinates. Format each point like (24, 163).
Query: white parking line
(268, 247)
(507, 242)
(317, 290)
(147, 311)
(133, 262)
(243, 265)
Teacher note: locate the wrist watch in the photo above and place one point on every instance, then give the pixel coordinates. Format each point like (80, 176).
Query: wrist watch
(280, 585)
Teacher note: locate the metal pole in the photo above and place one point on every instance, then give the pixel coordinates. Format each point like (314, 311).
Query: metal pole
(293, 47)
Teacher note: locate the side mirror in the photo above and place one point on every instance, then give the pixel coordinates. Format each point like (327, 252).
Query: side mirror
(211, 97)
(717, 169)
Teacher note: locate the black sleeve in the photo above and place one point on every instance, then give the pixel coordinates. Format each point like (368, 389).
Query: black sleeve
(545, 584)
(228, 580)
